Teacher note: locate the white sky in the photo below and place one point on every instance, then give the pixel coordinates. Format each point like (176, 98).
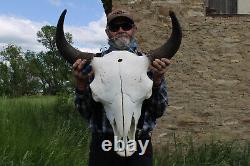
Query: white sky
(20, 29)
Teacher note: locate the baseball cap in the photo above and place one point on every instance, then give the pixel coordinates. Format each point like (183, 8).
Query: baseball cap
(119, 13)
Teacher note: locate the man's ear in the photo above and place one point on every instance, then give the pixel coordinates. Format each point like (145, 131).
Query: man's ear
(134, 29)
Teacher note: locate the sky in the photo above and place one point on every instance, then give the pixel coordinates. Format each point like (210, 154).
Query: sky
(20, 20)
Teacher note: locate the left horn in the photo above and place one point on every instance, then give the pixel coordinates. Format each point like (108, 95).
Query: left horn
(66, 50)
(169, 49)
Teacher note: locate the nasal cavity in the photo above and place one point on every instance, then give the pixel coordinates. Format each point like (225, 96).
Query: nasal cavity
(119, 60)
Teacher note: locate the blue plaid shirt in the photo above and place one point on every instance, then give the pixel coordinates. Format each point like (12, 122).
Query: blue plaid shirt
(94, 113)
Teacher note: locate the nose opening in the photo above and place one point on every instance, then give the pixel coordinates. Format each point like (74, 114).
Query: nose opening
(120, 143)
(132, 128)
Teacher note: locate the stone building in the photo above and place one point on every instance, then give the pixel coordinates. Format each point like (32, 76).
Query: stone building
(209, 78)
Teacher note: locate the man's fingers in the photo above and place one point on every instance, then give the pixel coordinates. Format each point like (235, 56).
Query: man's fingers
(76, 64)
(166, 61)
(82, 63)
(156, 64)
(161, 63)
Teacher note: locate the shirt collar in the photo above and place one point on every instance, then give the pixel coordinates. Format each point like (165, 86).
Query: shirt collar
(132, 47)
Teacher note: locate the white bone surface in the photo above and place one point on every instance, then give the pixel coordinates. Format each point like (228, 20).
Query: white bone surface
(121, 87)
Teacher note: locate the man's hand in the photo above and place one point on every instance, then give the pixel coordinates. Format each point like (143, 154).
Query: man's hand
(82, 73)
(159, 67)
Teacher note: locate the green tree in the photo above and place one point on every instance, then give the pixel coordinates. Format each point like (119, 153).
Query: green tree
(13, 78)
(25, 73)
(33, 68)
(55, 72)
(5, 88)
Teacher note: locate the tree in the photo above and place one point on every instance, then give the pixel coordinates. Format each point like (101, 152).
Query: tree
(13, 77)
(55, 72)
(5, 87)
(29, 73)
(33, 68)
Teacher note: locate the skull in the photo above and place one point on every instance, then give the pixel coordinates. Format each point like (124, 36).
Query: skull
(121, 84)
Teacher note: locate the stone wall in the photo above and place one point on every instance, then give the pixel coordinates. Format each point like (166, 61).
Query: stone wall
(209, 78)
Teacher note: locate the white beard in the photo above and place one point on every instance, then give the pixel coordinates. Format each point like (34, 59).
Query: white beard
(122, 41)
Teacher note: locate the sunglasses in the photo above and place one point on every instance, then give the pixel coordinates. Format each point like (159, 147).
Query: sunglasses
(125, 26)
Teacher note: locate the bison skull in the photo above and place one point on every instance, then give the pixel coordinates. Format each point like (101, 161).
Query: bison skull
(121, 84)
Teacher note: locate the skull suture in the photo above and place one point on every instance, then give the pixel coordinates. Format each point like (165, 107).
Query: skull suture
(121, 84)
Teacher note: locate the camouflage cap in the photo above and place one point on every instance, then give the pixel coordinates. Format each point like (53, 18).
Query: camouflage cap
(119, 13)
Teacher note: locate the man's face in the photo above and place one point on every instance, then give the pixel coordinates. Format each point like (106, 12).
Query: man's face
(121, 31)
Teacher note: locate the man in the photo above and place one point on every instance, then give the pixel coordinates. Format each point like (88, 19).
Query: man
(120, 30)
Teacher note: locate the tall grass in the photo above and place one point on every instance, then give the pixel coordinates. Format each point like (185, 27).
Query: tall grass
(214, 153)
(41, 131)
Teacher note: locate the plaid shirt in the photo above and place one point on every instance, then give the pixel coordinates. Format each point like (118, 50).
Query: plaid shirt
(94, 113)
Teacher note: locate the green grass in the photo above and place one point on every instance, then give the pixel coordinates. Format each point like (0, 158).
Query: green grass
(213, 153)
(41, 131)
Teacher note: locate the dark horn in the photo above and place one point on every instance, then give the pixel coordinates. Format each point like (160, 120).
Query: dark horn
(66, 50)
(107, 5)
(169, 49)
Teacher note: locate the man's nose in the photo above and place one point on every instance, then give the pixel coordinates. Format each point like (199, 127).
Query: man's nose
(120, 30)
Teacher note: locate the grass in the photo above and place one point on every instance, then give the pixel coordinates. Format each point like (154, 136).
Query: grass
(46, 131)
(214, 153)
(41, 131)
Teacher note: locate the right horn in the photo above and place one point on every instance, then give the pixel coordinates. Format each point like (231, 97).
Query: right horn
(107, 5)
(168, 49)
(66, 50)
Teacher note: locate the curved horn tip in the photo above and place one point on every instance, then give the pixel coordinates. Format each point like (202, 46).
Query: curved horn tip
(62, 16)
(64, 12)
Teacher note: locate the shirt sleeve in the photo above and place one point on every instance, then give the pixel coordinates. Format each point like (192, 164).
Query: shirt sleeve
(84, 102)
(158, 101)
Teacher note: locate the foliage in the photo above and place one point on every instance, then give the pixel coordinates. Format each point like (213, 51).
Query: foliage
(14, 73)
(55, 72)
(29, 73)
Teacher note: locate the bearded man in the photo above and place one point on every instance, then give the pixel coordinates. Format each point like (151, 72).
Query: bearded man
(121, 31)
